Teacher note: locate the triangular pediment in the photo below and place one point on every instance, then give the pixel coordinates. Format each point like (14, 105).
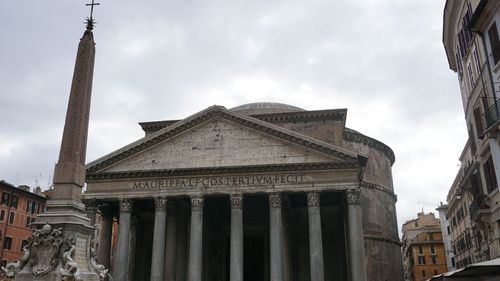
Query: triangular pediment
(217, 137)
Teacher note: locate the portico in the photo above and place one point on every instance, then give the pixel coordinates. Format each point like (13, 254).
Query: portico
(238, 237)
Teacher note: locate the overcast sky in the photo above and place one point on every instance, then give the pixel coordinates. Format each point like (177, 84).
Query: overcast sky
(383, 60)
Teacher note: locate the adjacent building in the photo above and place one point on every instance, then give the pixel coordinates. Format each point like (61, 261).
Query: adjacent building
(472, 45)
(423, 249)
(262, 191)
(18, 208)
(446, 233)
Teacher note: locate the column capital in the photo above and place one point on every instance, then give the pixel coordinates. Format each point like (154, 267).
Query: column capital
(353, 196)
(275, 200)
(236, 201)
(90, 205)
(313, 199)
(161, 203)
(125, 205)
(197, 203)
(171, 209)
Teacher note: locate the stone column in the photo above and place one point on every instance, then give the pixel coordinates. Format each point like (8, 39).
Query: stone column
(236, 266)
(171, 243)
(158, 255)
(105, 236)
(315, 238)
(91, 209)
(121, 257)
(276, 237)
(182, 238)
(356, 239)
(195, 247)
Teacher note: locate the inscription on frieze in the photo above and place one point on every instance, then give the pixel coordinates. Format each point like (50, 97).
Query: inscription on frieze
(219, 181)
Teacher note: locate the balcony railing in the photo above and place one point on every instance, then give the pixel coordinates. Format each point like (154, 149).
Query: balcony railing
(478, 207)
(492, 115)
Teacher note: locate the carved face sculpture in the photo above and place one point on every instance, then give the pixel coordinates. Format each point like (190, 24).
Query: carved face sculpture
(46, 229)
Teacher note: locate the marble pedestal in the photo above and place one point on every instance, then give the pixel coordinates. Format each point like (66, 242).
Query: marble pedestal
(60, 248)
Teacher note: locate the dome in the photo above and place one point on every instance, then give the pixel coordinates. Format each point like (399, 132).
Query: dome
(265, 108)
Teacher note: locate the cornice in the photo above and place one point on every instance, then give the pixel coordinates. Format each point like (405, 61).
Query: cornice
(314, 115)
(383, 239)
(372, 185)
(220, 112)
(222, 170)
(354, 136)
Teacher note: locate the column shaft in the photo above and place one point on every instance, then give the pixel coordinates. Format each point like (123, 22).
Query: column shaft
(315, 238)
(236, 266)
(195, 247)
(276, 234)
(171, 244)
(121, 257)
(105, 236)
(158, 255)
(356, 239)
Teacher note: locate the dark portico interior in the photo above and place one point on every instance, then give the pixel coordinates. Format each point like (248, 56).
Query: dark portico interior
(256, 253)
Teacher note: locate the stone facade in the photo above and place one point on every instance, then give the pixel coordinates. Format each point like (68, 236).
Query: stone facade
(259, 192)
(470, 38)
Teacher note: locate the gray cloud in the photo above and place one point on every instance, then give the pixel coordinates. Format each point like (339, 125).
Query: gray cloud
(383, 60)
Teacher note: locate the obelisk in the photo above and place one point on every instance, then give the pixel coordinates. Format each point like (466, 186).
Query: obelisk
(60, 248)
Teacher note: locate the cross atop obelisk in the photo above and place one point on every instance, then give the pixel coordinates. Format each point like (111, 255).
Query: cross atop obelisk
(90, 19)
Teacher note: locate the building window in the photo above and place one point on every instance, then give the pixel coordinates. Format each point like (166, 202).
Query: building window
(24, 243)
(4, 263)
(423, 273)
(448, 229)
(7, 243)
(472, 81)
(494, 42)
(433, 250)
(433, 258)
(421, 260)
(5, 198)
(479, 121)
(29, 220)
(453, 262)
(489, 174)
(2, 215)
(420, 249)
(13, 202)
(11, 218)
(431, 237)
(476, 60)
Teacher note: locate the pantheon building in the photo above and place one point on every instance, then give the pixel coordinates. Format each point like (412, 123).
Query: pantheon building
(262, 191)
